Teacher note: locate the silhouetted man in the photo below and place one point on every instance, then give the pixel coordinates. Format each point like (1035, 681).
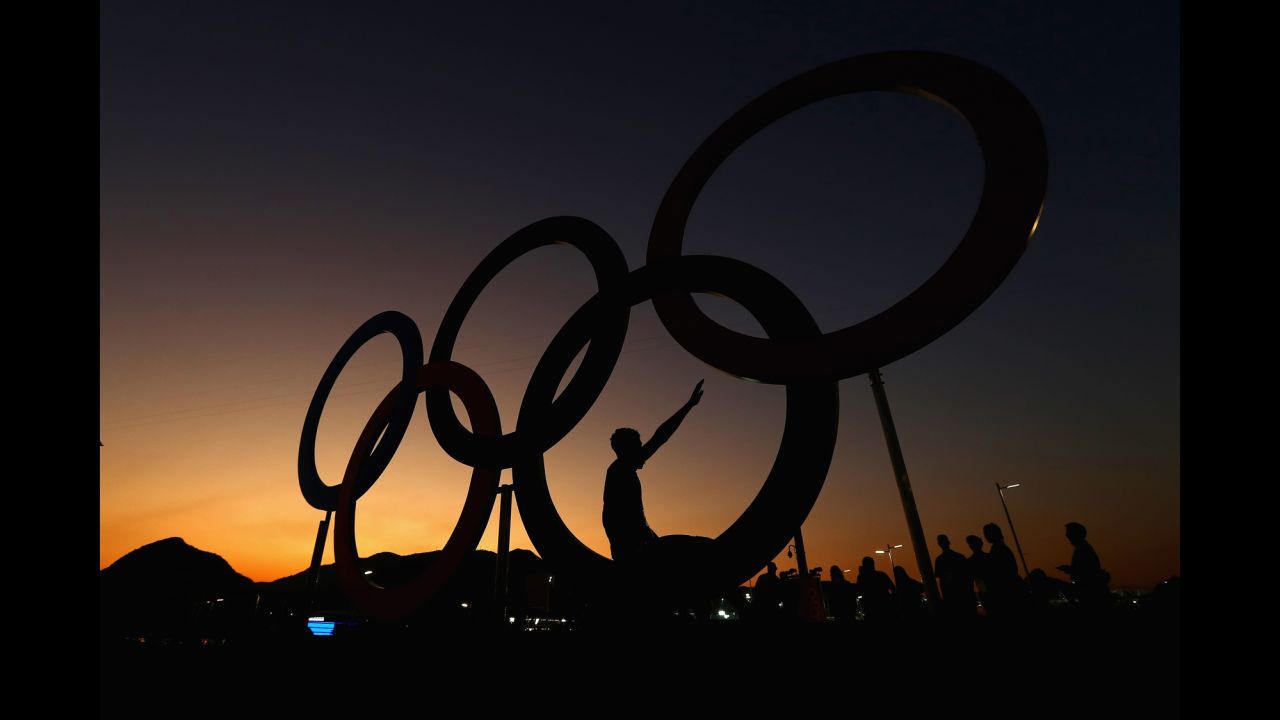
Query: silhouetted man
(769, 580)
(624, 520)
(766, 595)
(842, 596)
(1088, 579)
(955, 579)
(1004, 584)
(978, 566)
(908, 594)
(876, 590)
(1042, 590)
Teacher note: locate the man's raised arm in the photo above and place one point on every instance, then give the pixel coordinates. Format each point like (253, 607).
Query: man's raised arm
(668, 428)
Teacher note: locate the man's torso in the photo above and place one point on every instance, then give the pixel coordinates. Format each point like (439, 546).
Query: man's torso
(624, 520)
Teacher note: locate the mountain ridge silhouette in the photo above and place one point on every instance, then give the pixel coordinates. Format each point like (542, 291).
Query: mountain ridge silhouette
(170, 588)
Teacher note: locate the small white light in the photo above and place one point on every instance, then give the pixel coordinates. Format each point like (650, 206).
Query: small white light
(748, 596)
(511, 620)
(465, 605)
(219, 600)
(368, 572)
(316, 619)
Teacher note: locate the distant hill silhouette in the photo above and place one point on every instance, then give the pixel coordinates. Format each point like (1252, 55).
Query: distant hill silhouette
(530, 589)
(169, 588)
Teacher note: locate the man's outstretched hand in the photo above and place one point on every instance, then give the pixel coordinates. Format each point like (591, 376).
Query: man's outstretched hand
(697, 394)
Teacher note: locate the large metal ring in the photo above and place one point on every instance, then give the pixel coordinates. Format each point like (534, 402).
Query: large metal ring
(794, 353)
(325, 497)
(607, 337)
(794, 481)
(393, 604)
(1016, 158)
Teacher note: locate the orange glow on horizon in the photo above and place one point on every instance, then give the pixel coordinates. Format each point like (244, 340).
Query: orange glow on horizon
(225, 479)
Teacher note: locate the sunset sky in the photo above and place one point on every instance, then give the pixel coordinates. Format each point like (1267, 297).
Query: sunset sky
(273, 174)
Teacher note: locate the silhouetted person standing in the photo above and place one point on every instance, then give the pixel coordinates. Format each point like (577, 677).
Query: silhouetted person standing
(876, 590)
(766, 596)
(842, 596)
(624, 520)
(908, 595)
(978, 562)
(1004, 584)
(1088, 579)
(955, 579)
(1042, 590)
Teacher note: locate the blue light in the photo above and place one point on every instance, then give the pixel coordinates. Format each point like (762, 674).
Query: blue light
(321, 629)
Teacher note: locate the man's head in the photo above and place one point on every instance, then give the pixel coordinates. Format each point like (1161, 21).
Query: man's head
(626, 443)
(837, 575)
(992, 533)
(975, 543)
(944, 542)
(1075, 533)
(773, 568)
(868, 563)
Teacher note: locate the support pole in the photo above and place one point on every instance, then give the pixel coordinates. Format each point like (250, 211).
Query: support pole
(802, 560)
(313, 579)
(904, 489)
(504, 552)
(811, 606)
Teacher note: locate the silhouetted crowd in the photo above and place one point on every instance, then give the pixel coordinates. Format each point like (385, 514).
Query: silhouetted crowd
(985, 583)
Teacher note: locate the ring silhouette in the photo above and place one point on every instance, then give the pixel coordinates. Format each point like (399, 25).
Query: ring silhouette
(798, 471)
(795, 352)
(325, 497)
(1016, 160)
(610, 267)
(385, 603)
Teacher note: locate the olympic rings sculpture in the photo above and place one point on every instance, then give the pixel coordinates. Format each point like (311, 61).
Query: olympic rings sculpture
(795, 352)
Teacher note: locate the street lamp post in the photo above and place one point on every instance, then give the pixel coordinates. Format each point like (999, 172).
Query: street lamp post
(802, 560)
(888, 550)
(1000, 489)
